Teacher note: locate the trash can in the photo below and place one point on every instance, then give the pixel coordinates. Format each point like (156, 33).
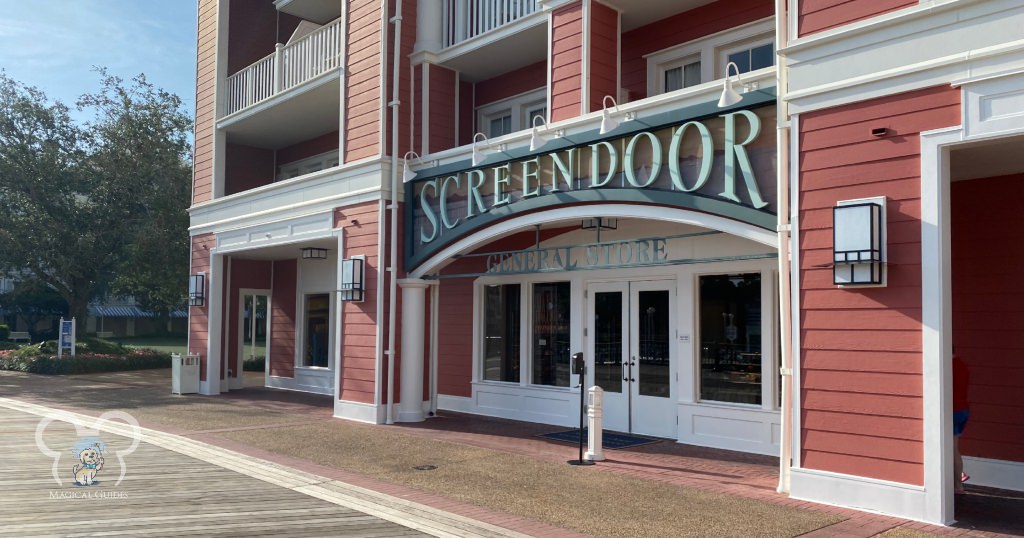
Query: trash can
(184, 373)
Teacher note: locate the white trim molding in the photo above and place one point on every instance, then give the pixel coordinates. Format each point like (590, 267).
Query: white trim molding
(860, 493)
(359, 412)
(995, 473)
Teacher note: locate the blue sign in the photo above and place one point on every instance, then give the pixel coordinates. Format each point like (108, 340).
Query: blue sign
(66, 329)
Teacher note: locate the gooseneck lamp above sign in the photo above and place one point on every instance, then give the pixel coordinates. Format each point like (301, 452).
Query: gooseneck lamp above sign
(608, 117)
(407, 173)
(858, 252)
(197, 289)
(313, 253)
(538, 139)
(730, 96)
(352, 278)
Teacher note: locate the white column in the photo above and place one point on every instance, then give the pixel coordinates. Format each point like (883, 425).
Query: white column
(410, 407)
(215, 312)
(428, 25)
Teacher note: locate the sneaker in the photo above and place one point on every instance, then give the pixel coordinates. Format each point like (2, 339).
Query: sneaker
(964, 477)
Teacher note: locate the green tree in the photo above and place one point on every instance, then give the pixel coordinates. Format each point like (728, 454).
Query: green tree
(84, 209)
(33, 302)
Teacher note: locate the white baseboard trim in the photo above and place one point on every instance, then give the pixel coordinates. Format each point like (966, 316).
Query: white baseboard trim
(237, 383)
(360, 412)
(458, 404)
(860, 493)
(1000, 474)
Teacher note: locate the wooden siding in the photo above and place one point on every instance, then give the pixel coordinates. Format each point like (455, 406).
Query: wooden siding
(861, 348)
(466, 113)
(362, 81)
(247, 167)
(252, 33)
(418, 102)
(199, 316)
(283, 318)
(359, 320)
(244, 274)
(442, 108)
(522, 80)
(566, 62)
(988, 312)
(206, 76)
(681, 28)
(604, 47)
(818, 15)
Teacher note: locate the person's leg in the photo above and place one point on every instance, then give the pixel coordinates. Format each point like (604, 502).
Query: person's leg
(958, 466)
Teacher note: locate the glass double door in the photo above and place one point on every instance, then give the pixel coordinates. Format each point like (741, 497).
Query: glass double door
(632, 357)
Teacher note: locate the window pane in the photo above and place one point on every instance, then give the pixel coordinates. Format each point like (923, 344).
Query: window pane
(691, 74)
(501, 333)
(673, 79)
(741, 59)
(317, 318)
(653, 328)
(551, 334)
(501, 125)
(542, 112)
(608, 341)
(761, 57)
(730, 338)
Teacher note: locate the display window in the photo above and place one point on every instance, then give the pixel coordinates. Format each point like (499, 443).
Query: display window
(730, 338)
(501, 344)
(318, 311)
(552, 307)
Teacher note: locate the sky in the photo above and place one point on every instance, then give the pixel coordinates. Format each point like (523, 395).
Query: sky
(54, 44)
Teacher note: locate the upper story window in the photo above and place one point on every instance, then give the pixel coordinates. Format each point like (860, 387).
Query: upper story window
(512, 114)
(750, 46)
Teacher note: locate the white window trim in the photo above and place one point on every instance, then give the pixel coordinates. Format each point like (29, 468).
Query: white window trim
(709, 50)
(316, 163)
(517, 106)
(722, 53)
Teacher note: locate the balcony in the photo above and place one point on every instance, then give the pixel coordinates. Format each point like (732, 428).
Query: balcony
(289, 66)
(466, 19)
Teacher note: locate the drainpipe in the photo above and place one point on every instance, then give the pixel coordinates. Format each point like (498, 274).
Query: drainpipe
(783, 229)
(392, 270)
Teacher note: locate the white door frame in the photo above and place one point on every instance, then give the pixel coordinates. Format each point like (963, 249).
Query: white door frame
(242, 293)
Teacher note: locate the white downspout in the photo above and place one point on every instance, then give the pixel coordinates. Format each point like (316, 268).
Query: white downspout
(783, 228)
(392, 270)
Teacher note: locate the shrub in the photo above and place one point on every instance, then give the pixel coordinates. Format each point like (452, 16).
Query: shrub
(5, 345)
(85, 363)
(5, 333)
(257, 364)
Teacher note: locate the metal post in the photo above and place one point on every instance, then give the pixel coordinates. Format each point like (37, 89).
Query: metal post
(595, 426)
(580, 369)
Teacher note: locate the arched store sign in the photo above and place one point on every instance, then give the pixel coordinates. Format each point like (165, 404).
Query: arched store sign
(721, 164)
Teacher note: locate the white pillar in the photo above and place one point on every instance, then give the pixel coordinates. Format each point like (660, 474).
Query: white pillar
(595, 424)
(429, 25)
(214, 315)
(410, 407)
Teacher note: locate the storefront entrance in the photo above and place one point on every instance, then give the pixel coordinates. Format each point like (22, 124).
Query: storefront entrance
(632, 358)
(253, 331)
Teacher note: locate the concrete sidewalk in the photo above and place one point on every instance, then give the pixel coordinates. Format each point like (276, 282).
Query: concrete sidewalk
(665, 489)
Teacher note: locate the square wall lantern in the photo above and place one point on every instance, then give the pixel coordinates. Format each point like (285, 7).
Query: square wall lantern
(352, 281)
(858, 252)
(197, 289)
(310, 253)
(600, 223)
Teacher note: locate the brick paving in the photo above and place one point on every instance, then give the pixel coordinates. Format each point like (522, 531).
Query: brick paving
(983, 513)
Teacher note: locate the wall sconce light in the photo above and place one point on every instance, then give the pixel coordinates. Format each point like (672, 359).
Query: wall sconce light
(312, 253)
(608, 122)
(352, 281)
(600, 223)
(479, 153)
(197, 289)
(730, 96)
(858, 252)
(538, 140)
(407, 173)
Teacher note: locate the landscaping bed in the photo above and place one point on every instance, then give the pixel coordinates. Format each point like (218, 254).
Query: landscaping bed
(91, 355)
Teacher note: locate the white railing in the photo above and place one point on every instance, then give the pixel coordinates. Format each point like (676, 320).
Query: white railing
(289, 66)
(466, 19)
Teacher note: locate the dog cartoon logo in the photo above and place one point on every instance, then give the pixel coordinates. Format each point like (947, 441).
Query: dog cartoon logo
(89, 452)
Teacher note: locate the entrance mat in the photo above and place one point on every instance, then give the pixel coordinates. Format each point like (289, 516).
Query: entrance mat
(610, 440)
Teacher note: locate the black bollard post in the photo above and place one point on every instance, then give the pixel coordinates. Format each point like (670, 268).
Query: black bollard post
(580, 369)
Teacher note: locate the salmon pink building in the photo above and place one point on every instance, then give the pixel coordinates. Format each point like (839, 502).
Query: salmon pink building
(764, 224)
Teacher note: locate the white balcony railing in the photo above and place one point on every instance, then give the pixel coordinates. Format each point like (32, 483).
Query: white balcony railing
(466, 19)
(289, 66)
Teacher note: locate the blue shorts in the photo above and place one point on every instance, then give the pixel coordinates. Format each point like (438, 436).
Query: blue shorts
(960, 421)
